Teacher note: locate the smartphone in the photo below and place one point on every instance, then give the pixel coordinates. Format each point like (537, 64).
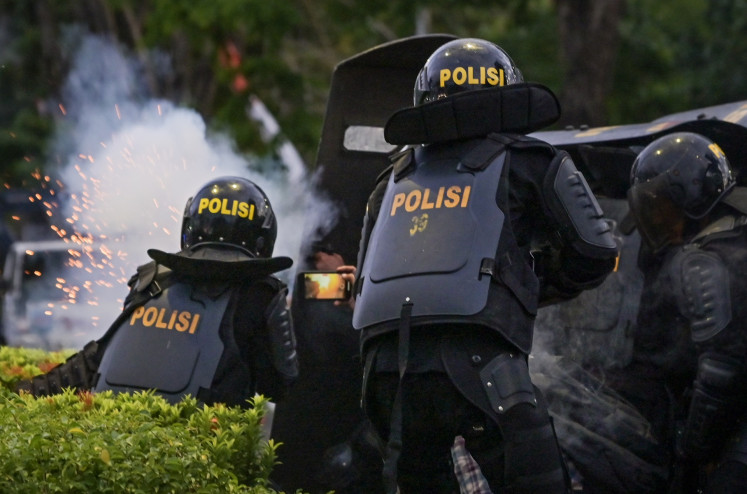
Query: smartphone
(325, 285)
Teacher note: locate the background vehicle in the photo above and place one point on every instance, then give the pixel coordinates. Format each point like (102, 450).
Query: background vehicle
(42, 307)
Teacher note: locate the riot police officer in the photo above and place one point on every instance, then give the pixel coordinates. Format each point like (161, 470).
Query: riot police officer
(692, 329)
(451, 274)
(209, 321)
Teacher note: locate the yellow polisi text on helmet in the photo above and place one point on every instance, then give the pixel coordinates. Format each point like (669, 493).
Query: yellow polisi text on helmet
(424, 199)
(179, 320)
(716, 150)
(221, 206)
(490, 76)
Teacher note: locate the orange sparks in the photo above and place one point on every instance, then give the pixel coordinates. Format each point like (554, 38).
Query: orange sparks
(62, 109)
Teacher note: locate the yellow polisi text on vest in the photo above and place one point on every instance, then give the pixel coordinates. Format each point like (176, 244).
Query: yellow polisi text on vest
(180, 320)
(424, 199)
(221, 206)
(490, 76)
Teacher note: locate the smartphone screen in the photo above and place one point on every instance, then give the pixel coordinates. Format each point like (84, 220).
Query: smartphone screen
(325, 285)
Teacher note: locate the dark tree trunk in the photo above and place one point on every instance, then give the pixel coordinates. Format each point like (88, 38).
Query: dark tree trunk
(589, 37)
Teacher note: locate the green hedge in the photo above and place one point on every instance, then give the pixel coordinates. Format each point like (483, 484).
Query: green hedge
(85, 442)
(24, 363)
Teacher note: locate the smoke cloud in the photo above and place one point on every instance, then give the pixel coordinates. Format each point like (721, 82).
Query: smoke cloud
(128, 165)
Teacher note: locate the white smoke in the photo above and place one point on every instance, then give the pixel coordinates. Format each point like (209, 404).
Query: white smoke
(130, 163)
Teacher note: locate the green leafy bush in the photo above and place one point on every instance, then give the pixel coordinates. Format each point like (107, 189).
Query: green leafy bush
(24, 363)
(134, 443)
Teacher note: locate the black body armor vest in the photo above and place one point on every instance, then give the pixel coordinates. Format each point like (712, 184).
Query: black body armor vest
(443, 244)
(171, 344)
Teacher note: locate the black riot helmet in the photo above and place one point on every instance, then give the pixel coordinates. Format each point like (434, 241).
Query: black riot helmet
(463, 65)
(233, 212)
(676, 178)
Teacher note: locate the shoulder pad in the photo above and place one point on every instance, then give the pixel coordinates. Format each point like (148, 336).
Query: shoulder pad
(726, 226)
(705, 286)
(146, 273)
(396, 155)
(403, 163)
(737, 199)
(482, 155)
(384, 174)
(527, 142)
(274, 283)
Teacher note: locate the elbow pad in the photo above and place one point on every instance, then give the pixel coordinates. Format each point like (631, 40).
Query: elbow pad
(705, 296)
(576, 211)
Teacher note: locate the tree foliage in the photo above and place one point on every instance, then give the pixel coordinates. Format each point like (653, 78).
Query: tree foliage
(670, 63)
(211, 55)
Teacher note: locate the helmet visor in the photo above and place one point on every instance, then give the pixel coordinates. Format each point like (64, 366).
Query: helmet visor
(660, 221)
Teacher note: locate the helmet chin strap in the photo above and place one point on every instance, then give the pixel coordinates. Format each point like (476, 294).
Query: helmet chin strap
(521, 108)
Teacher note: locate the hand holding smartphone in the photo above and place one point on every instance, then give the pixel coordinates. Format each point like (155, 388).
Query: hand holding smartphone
(325, 285)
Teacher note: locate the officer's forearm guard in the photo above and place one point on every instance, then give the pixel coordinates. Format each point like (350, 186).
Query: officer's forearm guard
(78, 372)
(282, 340)
(708, 417)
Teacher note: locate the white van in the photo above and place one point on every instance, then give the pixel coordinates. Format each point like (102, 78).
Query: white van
(39, 308)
